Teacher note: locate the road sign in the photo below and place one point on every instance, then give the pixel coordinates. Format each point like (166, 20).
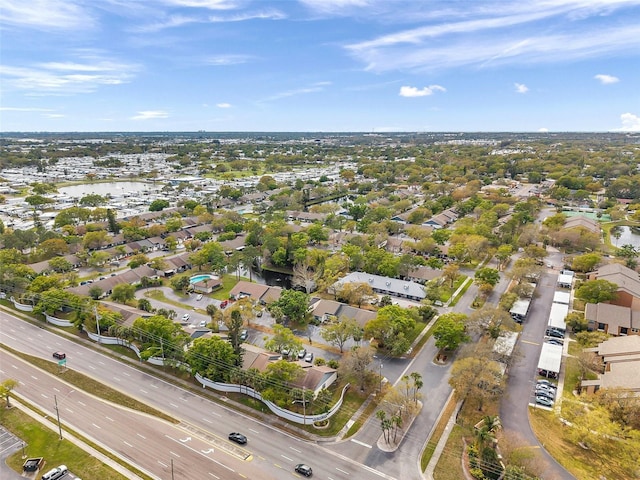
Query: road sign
(62, 361)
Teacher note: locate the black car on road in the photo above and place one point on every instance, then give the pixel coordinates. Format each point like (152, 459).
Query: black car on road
(303, 469)
(238, 438)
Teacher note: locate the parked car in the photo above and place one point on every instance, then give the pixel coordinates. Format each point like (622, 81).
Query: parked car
(238, 438)
(302, 353)
(303, 469)
(552, 332)
(284, 352)
(203, 323)
(554, 341)
(244, 334)
(546, 393)
(198, 298)
(544, 401)
(309, 357)
(186, 317)
(259, 314)
(56, 473)
(544, 381)
(547, 373)
(224, 304)
(59, 355)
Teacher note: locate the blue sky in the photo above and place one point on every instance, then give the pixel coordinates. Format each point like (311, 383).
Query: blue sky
(320, 65)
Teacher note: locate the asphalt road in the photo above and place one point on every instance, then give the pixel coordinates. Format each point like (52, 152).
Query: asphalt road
(514, 411)
(273, 453)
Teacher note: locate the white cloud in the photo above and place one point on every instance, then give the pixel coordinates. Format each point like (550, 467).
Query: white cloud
(223, 105)
(66, 78)
(150, 115)
(474, 35)
(521, 87)
(334, 6)
(45, 14)
(223, 60)
(630, 122)
(53, 115)
(606, 79)
(406, 91)
(24, 109)
(315, 87)
(543, 130)
(208, 4)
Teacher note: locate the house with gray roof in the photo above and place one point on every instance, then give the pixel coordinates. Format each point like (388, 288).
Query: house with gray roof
(612, 319)
(384, 285)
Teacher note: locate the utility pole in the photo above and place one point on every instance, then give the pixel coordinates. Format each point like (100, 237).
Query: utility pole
(172, 469)
(55, 398)
(95, 311)
(304, 404)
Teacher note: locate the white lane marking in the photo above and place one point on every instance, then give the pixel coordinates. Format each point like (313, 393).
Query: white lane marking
(127, 444)
(125, 373)
(361, 443)
(286, 458)
(110, 419)
(83, 404)
(143, 391)
(254, 431)
(173, 405)
(295, 450)
(99, 428)
(141, 436)
(174, 453)
(163, 464)
(207, 420)
(346, 473)
(214, 476)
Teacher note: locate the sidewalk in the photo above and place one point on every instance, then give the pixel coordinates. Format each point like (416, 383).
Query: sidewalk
(437, 453)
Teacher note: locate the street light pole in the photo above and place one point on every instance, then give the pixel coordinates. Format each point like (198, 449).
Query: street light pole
(55, 398)
(380, 376)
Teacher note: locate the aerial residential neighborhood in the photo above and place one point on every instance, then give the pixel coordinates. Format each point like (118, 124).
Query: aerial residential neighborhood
(301, 298)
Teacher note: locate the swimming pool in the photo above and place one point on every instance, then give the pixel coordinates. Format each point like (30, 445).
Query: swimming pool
(199, 278)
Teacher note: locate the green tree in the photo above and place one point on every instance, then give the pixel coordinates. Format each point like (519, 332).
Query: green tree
(450, 331)
(487, 275)
(123, 293)
(95, 292)
(283, 339)
(5, 389)
(160, 335)
(158, 205)
(586, 262)
(596, 291)
(93, 200)
(293, 304)
(144, 304)
(138, 260)
(60, 265)
(338, 333)
(234, 323)
(212, 358)
(390, 328)
(503, 255)
(476, 379)
(576, 322)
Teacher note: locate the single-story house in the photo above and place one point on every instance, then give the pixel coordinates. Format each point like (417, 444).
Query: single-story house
(384, 285)
(329, 310)
(259, 293)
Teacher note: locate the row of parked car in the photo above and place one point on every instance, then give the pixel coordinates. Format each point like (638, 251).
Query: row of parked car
(545, 392)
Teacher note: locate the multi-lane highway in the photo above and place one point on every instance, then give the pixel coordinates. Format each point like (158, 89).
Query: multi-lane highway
(198, 446)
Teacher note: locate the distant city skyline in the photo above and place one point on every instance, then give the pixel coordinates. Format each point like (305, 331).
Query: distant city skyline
(320, 65)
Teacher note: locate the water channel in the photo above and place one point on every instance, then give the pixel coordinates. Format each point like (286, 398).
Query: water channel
(628, 236)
